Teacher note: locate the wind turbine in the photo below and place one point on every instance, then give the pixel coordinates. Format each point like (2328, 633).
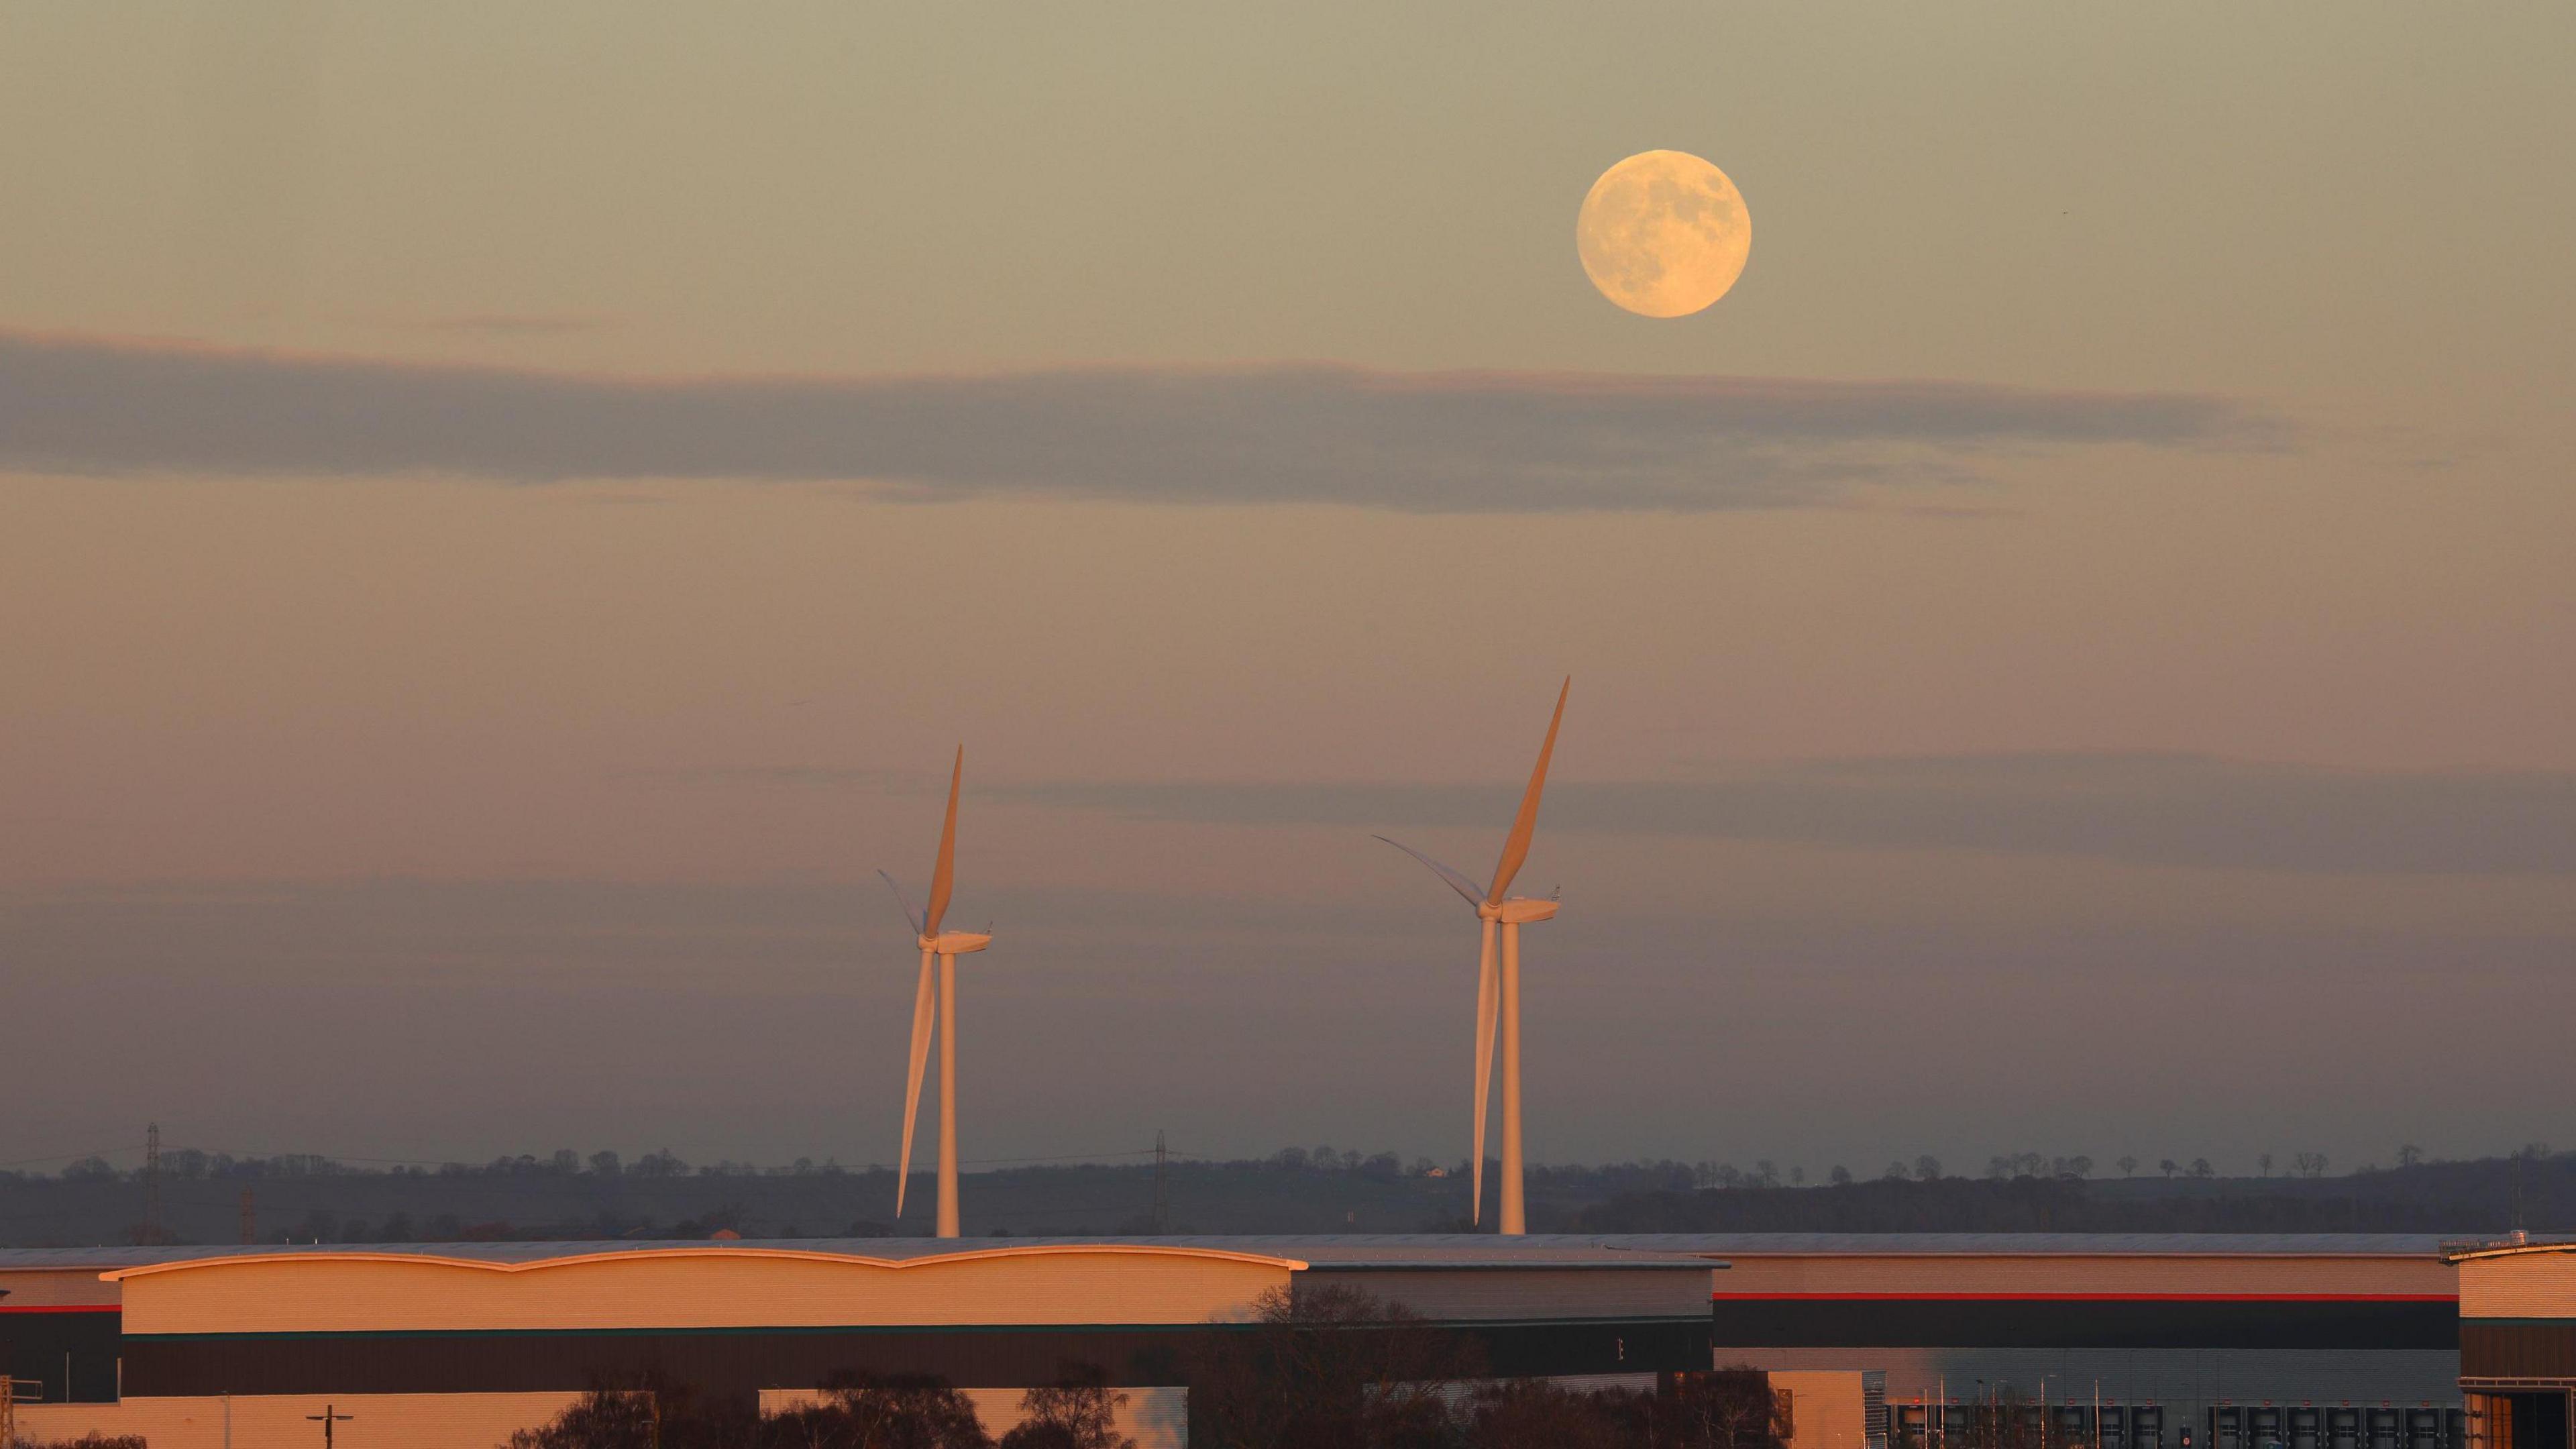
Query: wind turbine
(945, 947)
(1511, 912)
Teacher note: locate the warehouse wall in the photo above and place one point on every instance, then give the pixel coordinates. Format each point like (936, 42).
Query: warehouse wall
(68, 1354)
(1893, 1321)
(2519, 1285)
(30, 1288)
(689, 1288)
(1532, 1293)
(1826, 1409)
(2185, 1382)
(727, 1363)
(2090, 1275)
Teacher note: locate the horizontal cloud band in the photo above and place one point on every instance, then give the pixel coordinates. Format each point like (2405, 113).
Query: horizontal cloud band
(1424, 442)
(2169, 810)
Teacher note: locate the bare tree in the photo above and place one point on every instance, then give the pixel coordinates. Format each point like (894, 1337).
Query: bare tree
(1733, 1408)
(2128, 1166)
(1079, 1411)
(1330, 1366)
(646, 1412)
(1927, 1168)
(903, 1412)
(1538, 1414)
(1730, 1409)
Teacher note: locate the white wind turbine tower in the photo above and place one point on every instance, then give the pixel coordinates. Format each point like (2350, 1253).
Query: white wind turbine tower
(945, 947)
(1511, 913)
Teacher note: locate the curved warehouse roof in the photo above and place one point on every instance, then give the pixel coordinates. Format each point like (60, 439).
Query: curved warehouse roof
(577, 1256)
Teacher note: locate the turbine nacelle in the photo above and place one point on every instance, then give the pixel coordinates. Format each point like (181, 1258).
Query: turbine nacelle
(955, 943)
(1516, 910)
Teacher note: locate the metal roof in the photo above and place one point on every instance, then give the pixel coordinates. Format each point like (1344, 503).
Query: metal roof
(801, 1250)
(1458, 1250)
(1356, 1252)
(1380, 1251)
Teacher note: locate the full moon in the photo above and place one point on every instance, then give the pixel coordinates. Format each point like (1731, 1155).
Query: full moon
(1663, 233)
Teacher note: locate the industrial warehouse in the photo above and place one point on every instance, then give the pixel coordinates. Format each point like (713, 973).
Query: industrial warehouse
(2214, 1341)
(461, 1344)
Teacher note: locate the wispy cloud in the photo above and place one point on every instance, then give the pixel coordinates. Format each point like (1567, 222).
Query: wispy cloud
(1425, 442)
(2176, 810)
(804, 777)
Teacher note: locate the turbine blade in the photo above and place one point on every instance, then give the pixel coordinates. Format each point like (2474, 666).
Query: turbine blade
(1516, 847)
(944, 876)
(1485, 1005)
(1457, 878)
(921, 1003)
(910, 916)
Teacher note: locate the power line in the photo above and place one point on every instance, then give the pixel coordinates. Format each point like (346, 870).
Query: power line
(1161, 1152)
(71, 1156)
(1068, 1157)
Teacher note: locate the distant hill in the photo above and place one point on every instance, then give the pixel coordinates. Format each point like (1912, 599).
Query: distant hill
(308, 1199)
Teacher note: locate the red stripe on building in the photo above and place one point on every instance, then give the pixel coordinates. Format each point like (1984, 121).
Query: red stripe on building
(1725, 1297)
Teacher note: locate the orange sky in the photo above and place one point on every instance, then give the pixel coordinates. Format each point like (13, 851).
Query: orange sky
(2186, 388)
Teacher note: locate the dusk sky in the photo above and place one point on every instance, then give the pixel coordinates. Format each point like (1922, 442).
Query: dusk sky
(505, 513)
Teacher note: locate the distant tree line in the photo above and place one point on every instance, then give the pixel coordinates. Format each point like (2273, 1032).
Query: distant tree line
(189, 1164)
(2531, 1188)
(565, 1195)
